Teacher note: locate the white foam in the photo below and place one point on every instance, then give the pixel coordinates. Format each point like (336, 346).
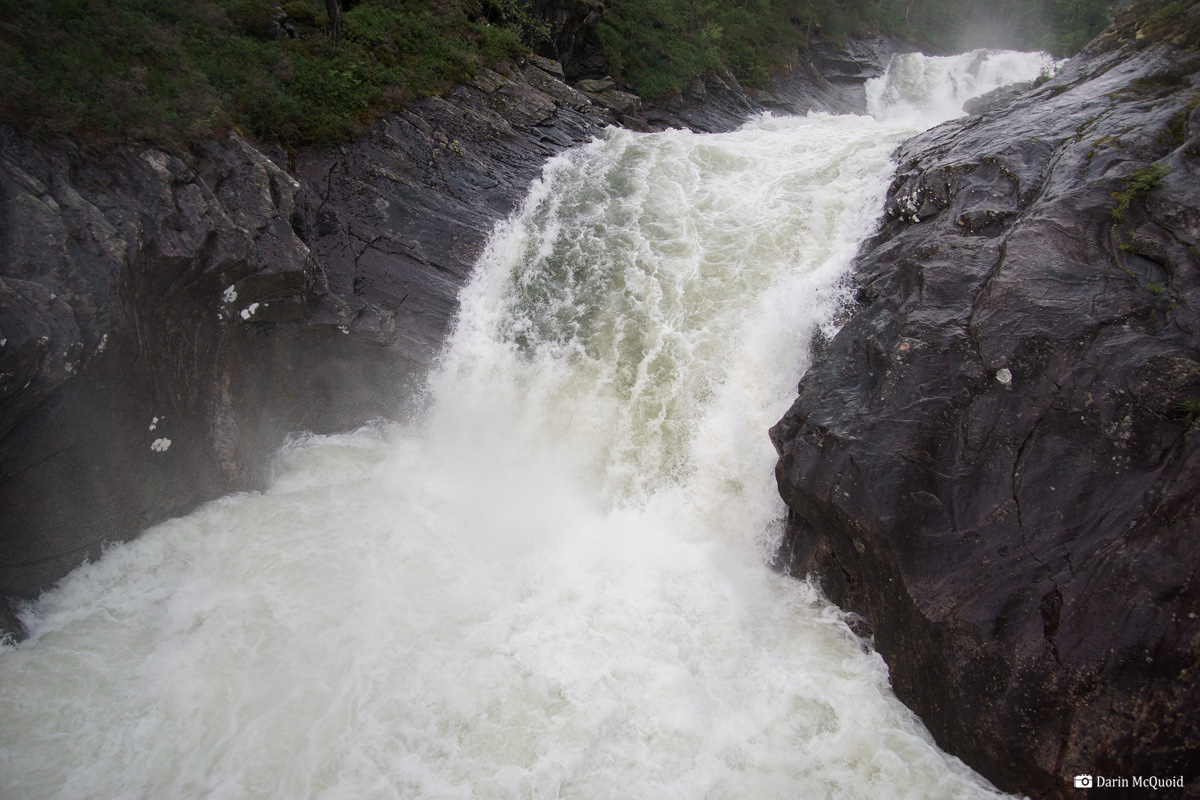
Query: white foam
(926, 90)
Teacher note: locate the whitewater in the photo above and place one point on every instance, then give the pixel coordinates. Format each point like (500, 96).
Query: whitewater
(551, 581)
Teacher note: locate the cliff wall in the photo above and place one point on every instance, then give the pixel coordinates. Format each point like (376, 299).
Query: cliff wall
(996, 461)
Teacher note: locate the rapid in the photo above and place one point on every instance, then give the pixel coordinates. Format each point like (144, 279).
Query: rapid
(551, 581)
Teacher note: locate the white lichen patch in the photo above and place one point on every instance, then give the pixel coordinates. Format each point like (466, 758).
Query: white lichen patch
(907, 207)
(154, 424)
(160, 445)
(158, 162)
(249, 310)
(229, 295)
(1004, 375)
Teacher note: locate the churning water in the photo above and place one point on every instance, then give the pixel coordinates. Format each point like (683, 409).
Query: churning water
(550, 584)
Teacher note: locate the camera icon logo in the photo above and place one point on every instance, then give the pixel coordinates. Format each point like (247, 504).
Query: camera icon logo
(1083, 781)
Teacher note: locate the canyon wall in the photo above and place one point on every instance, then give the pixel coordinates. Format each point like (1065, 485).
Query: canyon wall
(996, 461)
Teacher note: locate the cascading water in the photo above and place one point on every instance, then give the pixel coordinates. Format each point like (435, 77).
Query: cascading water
(921, 89)
(551, 583)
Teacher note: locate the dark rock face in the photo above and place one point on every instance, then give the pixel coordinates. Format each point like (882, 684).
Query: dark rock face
(996, 460)
(122, 334)
(834, 76)
(166, 320)
(572, 41)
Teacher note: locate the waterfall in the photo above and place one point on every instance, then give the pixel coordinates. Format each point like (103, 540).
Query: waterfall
(550, 582)
(925, 90)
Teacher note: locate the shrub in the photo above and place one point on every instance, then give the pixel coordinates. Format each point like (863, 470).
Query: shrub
(660, 46)
(176, 71)
(1138, 184)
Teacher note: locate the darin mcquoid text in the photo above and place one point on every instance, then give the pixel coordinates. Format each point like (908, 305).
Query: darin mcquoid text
(1137, 781)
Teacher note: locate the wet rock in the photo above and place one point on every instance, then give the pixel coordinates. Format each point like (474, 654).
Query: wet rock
(994, 460)
(617, 102)
(596, 86)
(572, 41)
(995, 98)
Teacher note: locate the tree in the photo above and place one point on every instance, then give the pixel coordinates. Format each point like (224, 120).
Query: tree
(334, 10)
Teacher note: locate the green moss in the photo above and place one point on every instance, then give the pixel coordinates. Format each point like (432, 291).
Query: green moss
(1150, 21)
(1138, 185)
(1108, 140)
(1190, 411)
(1167, 79)
(660, 46)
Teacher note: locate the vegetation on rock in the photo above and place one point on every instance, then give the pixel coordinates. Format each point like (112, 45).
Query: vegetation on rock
(661, 46)
(1149, 21)
(179, 71)
(1138, 185)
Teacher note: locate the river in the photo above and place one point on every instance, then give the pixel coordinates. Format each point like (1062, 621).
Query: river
(551, 581)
